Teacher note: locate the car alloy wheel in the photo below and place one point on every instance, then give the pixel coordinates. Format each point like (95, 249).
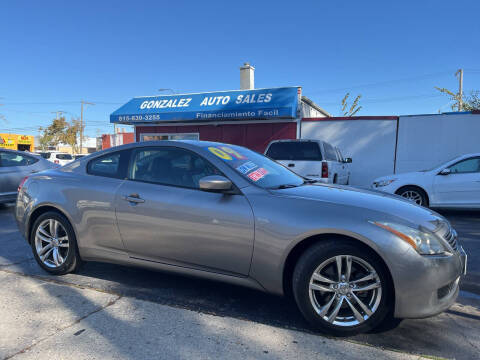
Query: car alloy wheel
(345, 290)
(52, 243)
(413, 195)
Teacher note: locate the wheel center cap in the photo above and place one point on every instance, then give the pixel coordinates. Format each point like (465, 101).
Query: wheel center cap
(343, 288)
(55, 242)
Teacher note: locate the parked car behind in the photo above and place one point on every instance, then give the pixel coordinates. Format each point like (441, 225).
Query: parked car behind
(351, 258)
(79, 156)
(58, 157)
(313, 159)
(453, 184)
(14, 166)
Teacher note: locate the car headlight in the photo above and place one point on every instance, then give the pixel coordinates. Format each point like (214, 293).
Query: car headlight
(423, 241)
(382, 183)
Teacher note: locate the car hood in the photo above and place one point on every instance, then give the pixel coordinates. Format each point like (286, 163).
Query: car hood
(390, 206)
(413, 174)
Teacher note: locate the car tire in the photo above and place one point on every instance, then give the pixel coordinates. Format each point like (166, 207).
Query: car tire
(318, 306)
(414, 194)
(54, 244)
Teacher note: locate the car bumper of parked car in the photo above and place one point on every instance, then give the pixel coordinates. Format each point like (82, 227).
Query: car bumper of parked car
(433, 288)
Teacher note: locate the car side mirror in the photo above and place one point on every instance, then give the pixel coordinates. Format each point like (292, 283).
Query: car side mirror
(215, 183)
(347, 160)
(446, 171)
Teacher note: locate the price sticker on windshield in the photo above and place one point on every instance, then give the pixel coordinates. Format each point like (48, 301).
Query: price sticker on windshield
(246, 167)
(257, 174)
(226, 153)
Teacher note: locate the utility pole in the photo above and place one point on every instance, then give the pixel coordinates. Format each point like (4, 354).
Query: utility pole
(81, 123)
(459, 73)
(58, 114)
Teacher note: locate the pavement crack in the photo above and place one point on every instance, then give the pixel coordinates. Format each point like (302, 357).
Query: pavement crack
(16, 263)
(59, 282)
(101, 308)
(462, 334)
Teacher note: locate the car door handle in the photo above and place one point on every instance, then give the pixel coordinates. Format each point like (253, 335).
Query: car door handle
(133, 198)
(291, 165)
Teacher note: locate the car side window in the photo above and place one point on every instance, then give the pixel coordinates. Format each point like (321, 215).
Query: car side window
(330, 153)
(471, 165)
(8, 159)
(64, 157)
(111, 165)
(170, 166)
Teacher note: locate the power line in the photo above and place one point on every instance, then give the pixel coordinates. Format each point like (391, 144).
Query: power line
(400, 98)
(380, 83)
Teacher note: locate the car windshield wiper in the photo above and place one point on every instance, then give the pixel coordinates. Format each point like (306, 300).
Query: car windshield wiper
(310, 181)
(283, 186)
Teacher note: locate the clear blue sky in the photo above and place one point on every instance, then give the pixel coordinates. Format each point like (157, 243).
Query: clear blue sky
(54, 53)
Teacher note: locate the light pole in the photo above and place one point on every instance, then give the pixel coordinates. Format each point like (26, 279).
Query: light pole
(81, 123)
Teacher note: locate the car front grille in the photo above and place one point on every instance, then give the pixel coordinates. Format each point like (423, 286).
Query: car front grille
(451, 237)
(446, 290)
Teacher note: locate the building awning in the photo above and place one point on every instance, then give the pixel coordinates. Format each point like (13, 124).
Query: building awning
(274, 103)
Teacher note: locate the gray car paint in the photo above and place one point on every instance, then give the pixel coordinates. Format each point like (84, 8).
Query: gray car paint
(243, 239)
(11, 176)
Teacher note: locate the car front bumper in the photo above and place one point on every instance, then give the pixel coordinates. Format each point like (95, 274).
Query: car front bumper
(433, 288)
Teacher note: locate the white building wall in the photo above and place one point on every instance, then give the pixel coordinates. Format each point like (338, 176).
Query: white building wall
(369, 142)
(308, 111)
(427, 140)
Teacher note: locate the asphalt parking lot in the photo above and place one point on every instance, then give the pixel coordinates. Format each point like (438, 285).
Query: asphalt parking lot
(454, 334)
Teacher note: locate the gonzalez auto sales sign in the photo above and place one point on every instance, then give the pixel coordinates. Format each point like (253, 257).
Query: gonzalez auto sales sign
(238, 104)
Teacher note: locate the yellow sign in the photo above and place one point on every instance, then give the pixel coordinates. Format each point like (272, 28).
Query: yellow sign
(17, 142)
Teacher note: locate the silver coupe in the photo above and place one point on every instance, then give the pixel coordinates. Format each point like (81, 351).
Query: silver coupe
(351, 258)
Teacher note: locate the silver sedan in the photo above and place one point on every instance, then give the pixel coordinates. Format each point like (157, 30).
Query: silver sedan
(350, 258)
(14, 167)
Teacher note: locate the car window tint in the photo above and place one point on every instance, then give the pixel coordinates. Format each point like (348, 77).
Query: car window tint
(45, 155)
(8, 159)
(64, 157)
(466, 166)
(329, 152)
(107, 165)
(170, 166)
(290, 150)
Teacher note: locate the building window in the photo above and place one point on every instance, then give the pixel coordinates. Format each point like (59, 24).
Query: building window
(171, 136)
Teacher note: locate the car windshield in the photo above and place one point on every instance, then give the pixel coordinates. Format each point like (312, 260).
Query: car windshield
(438, 165)
(256, 168)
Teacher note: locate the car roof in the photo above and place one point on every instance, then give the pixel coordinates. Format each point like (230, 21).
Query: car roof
(295, 140)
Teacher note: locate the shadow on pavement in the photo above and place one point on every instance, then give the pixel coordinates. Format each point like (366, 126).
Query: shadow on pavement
(443, 335)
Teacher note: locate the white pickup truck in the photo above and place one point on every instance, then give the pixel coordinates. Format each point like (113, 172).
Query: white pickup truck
(313, 159)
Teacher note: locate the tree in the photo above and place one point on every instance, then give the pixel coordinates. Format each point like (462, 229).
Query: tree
(54, 133)
(71, 134)
(45, 139)
(469, 103)
(60, 131)
(355, 108)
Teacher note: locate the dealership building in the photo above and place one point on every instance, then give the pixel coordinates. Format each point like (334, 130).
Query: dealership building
(249, 117)
(378, 145)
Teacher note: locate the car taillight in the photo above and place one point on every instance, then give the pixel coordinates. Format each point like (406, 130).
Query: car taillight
(324, 170)
(21, 183)
(56, 161)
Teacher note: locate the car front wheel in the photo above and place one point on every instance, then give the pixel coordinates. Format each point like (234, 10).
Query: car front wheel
(54, 244)
(342, 288)
(414, 194)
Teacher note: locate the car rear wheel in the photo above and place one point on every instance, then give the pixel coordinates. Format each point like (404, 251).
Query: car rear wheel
(54, 244)
(341, 288)
(414, 194)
